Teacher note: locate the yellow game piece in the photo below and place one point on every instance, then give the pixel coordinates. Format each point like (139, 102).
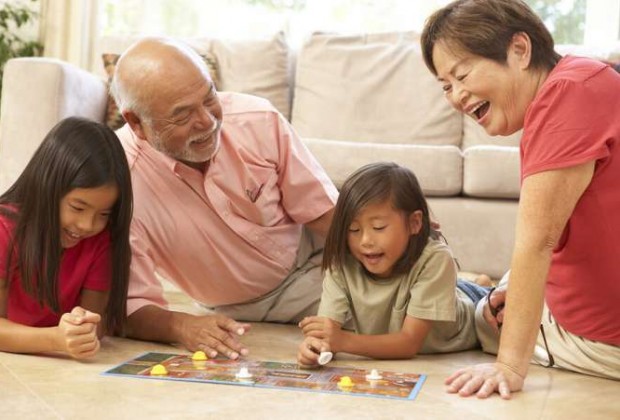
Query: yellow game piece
(159, 370)
(199, 364)
(345, 382)
(199, 356)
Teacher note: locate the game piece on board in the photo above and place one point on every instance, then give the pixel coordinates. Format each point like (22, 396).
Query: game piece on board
(199, 356)
(345, 382)
(243, 373)
(159, 370)
(374, 375)
(325, 357)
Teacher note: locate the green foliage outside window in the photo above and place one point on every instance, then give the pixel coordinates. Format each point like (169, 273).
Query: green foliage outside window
(12, 44)
(565, 19)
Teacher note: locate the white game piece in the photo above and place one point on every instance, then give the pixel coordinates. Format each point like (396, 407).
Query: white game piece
(243, 373)
(373, 375)
(325, 357)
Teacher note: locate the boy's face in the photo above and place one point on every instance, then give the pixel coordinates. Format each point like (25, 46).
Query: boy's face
(378, 236)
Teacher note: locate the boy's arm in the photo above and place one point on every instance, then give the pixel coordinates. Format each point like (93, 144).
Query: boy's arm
(400, 345)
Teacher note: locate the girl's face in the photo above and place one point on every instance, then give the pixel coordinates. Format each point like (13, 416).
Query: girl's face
(84, 212)
(378, 236)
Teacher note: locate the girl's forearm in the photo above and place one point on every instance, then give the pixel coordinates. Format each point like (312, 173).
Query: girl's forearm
(17, 338)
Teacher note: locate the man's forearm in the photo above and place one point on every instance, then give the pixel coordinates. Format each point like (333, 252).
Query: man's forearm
(152, 323)
(321, 224)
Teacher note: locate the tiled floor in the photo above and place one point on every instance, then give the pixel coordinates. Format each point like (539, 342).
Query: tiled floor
(44, 387)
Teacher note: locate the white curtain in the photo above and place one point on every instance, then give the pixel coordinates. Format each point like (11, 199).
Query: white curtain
(69, 29)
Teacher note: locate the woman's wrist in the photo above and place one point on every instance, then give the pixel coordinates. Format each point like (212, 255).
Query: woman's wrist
(521, 372)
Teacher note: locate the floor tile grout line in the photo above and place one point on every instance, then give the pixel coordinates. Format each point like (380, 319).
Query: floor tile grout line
(32, 391)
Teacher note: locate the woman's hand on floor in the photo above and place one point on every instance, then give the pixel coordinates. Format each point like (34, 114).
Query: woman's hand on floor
(485, 379)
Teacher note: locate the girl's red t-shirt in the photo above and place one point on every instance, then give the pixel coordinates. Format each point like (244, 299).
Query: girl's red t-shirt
(84, 266)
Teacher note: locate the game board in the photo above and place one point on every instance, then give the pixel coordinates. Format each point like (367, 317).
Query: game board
(266, 374)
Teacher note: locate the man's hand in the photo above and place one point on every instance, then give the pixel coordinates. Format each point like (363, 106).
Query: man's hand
(214, 334)
(77, 333)
(309, 351)
(485, 379)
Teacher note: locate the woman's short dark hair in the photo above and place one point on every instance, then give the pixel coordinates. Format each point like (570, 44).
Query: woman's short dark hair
(377, 183)
(76, 153)
(485, 28)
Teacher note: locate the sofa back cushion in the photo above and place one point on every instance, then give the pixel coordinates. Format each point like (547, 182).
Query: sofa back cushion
(256, 67)
(439, 169)
(371, 88)
(474, 135)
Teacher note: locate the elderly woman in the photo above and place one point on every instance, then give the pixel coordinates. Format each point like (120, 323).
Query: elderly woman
(496, 63)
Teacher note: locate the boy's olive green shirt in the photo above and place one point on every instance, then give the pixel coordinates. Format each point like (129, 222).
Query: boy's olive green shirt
(428, 291)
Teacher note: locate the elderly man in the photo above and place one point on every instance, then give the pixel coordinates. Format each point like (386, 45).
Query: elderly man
(223, 189)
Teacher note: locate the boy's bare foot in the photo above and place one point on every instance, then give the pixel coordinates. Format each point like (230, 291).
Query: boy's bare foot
(483, 280)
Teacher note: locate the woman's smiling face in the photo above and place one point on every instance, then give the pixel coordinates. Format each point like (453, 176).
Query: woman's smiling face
(495, 95)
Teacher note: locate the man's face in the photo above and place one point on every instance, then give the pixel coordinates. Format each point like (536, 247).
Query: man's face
(186, 121)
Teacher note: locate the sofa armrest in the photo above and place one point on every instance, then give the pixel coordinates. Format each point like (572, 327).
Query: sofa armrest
(36, 94)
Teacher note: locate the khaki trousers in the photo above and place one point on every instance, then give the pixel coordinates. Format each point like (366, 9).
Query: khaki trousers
(569, 351)
(296, 297)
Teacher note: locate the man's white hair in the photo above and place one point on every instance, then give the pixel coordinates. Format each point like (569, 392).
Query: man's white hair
(126, 98)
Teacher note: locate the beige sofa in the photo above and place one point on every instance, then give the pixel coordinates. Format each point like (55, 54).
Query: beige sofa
(353, 99)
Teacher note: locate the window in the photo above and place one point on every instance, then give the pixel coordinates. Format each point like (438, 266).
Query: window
(590, 22)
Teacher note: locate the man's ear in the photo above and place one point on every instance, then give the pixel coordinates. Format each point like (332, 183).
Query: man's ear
(520, 50)
(135, 123)
(415, 222)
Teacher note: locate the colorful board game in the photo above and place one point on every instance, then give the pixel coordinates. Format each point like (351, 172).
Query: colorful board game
(265, 374)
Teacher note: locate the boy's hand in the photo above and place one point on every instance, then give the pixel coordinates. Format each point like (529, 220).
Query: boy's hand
(77, 333)
(309, 351)
(325, 329)
(493, 311)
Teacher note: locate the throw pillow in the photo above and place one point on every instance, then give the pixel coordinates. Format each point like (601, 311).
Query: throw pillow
(113, 117)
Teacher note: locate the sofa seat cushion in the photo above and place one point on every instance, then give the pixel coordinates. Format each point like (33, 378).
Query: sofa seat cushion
(480, 232)
(439, 169)
(491, 172)
(371, 88)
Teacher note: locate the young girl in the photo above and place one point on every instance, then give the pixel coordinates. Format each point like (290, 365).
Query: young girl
(64, 243)
(388, 270)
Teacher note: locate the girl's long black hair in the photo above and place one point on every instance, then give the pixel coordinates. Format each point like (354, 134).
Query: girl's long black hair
(76, 153)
